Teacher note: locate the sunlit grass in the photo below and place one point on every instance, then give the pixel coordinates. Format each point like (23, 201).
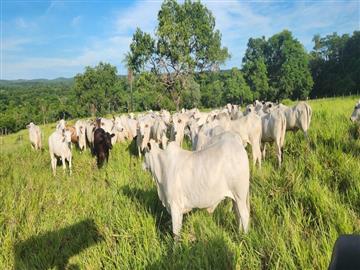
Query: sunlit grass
(297, 211)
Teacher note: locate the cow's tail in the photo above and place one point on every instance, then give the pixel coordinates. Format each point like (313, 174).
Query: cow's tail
(283, 130)
(248, 201)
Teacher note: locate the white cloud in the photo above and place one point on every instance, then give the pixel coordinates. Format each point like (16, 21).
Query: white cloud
(75, 22)
(21, 23)
(14, 44)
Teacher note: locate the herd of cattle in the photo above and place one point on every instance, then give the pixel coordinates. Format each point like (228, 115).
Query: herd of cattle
(218, 165)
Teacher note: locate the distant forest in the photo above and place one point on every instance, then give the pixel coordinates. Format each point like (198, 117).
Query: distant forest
(273, 69)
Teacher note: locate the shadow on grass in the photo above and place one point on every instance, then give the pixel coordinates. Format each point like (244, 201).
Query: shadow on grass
(132, 148)
(54, 249)
(149, 200)
(210, 253)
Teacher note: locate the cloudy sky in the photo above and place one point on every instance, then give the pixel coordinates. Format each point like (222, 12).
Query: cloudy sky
(50, 39)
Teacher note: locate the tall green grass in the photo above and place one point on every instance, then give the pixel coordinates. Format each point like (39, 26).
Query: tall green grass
(297, 211)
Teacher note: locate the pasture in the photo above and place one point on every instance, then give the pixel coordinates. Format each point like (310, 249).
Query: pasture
(112, 218)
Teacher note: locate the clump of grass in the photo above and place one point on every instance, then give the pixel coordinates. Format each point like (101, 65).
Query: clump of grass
(297, 211)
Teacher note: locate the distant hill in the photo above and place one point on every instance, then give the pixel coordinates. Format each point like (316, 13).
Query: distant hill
(20, 82)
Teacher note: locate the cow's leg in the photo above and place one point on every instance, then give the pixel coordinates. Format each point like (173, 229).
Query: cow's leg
(263, 152)
(241, 208)
(256, 151)
(63, 162)
(278, 150)
(53, 163)
(70, 166)
(139, 149)
(176, 219)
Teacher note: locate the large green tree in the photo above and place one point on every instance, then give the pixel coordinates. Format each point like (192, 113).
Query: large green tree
(254, 68)
(288, 66)
(185, 41)
(95, 87)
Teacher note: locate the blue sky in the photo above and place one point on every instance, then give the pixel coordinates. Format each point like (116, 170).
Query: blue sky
(50, 39)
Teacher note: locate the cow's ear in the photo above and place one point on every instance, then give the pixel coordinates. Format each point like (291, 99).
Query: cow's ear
(112, 135)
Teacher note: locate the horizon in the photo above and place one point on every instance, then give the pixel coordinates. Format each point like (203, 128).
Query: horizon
(58, 39)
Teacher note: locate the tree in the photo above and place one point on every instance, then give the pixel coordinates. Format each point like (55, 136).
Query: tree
(185, 41)
(93, 88)
(288, 67)
(335, 64)
(254, 68)
(236, 89)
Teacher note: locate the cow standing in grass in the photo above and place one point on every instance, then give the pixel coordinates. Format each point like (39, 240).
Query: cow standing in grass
(201, 179)
(60, 147)
(34, 136)
(102, 145)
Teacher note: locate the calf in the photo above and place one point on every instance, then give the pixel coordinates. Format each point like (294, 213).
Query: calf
(102, 145)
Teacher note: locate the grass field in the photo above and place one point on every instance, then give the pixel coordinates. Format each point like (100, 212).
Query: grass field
(112, 218)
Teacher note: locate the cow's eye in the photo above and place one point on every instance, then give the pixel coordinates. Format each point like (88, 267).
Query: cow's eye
(146, 126)
(179, 121)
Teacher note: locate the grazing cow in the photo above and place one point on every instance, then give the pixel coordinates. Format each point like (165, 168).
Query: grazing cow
(355, 117)
(201, 179)
(346, 253)
(102, 145)
(273, 130)
(60, 147)
(297, 117)
(34, 136)
(80, 127)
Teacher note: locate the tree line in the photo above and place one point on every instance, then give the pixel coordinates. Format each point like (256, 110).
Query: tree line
(178, 66)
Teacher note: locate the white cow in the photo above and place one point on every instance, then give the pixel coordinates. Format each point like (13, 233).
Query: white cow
(80, 127)
(177, 130)
(34, 136)
(158, 132)
(355, 116)
(297, 117)
(249, 128)
(143, 132)
(60, 147)
(106, 124)
(90, 128)
(201, 179)
(273, 130)
(61, 125)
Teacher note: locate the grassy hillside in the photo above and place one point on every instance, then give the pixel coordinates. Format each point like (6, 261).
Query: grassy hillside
(112, 218)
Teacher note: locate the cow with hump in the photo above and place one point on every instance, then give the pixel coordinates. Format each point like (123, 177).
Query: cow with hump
(201, 179)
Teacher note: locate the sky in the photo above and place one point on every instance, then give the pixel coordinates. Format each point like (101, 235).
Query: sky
(51, 39)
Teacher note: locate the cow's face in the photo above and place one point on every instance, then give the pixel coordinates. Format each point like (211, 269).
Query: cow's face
(355, 116)
(67, 136)
(108, 137)
(31, 125)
